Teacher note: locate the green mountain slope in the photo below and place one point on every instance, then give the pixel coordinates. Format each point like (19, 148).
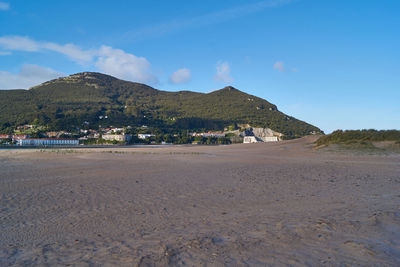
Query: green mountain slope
(87, 98)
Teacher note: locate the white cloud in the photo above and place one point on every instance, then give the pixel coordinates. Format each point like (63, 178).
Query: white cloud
(4, 6)
(72, 51)
(279, 66)
(223, 73)
(109, 60)
(124, 65)
(180, 76)
(28, 76)
(21, 43)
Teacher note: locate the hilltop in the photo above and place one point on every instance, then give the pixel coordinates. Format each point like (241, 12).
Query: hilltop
(91, 99)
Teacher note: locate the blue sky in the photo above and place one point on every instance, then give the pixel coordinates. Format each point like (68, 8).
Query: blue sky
(332, 63)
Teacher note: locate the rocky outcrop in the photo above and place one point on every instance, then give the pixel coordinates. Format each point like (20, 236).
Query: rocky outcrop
(265, 132)
(261, 135)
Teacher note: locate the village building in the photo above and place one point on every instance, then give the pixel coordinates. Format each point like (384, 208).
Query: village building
(116, 130)
(5, 136)
(46, 142)
(25, 127)
(209, 134)
(270, 138)
(51, 134)
(54, 134)
(17, 137)
(144, 136)
(117, 137)
(250, 140)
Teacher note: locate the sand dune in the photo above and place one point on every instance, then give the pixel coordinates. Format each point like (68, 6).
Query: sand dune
(239, 205)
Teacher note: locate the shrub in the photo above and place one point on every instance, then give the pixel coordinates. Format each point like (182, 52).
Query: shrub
(359, 136)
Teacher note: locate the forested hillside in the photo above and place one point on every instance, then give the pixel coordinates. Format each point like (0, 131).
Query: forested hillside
(93, 99)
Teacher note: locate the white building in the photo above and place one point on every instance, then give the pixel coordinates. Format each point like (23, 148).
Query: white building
(144, 136)
(209, 134)
(250, 140)
(115, 130)
(46, 142)
(270, 138)
(117, 137)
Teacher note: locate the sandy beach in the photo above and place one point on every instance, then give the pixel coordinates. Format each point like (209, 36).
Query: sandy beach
(271, 204)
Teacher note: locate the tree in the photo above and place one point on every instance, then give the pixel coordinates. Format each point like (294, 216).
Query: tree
(167, 138)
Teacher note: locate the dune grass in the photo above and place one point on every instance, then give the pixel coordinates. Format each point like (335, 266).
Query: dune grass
(363, 140)
(364, 137)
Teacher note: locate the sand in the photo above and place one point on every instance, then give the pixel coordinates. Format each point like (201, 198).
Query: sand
(273, 204)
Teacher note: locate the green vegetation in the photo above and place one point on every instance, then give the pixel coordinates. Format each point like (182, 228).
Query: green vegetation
(91, 100)
(359, 137)
(5, 141)
(181, 139)
(211, 140)
(101, 141)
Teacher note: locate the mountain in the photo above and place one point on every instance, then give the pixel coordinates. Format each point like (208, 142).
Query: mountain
(90, 99)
